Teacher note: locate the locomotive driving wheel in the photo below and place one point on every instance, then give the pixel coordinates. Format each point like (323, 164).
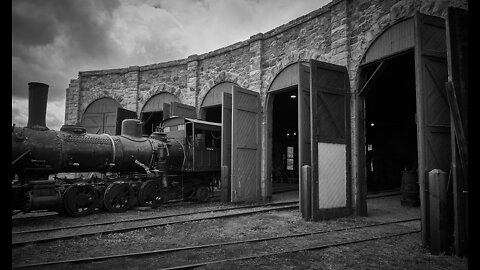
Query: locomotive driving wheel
(151, 193)
(118, 197)
(79, 199)
(202, 194)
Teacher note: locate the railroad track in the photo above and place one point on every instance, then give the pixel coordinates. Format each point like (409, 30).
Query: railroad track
(268, 242)
(44, 213)
(65, 232)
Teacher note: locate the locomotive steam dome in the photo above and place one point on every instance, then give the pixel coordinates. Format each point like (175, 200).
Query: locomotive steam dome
(132, 128)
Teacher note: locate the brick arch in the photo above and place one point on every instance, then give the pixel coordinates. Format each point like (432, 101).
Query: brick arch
(222, 77)
(96, 97)
(163, 88)
(385, 24)
(294, 57)
(142, 105)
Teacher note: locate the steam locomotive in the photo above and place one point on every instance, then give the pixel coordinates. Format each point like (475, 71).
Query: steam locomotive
(182, 161)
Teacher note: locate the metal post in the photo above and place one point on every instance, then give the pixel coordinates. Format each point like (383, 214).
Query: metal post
(437, 185)
(225, 184)
(305, 197)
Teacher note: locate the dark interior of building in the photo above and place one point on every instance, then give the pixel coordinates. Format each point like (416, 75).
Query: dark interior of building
(285, 137)
(391, 138)
(213, 114)
(150, 121)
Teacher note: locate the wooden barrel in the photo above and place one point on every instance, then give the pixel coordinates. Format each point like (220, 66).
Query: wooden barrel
(410, 188)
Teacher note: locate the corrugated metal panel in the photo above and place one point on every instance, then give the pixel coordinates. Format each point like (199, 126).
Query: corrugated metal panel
(214, 96)
(155, 103)
(397, 38)
(331, 175)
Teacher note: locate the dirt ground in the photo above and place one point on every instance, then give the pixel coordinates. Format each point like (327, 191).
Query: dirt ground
(400, 252)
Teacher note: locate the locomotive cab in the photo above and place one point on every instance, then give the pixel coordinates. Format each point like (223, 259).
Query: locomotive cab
(201, 141)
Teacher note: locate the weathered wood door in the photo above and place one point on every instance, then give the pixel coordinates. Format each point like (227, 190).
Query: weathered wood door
(100, 116)
(182, 110)
(457, 46)
(166, 111)
(245, 184)
(304, 137)
(330, 140)
(226, 146)
(123, 114)
(433, 115)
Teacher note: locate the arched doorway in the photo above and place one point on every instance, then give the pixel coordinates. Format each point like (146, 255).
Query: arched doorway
(282, 154)
(211, 107)
(404, 112)
(100, 116)
(152, 112)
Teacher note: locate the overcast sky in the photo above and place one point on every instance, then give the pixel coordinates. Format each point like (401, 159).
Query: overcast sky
(52, 40)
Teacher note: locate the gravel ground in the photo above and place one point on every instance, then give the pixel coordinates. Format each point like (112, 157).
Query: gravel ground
(402, 252)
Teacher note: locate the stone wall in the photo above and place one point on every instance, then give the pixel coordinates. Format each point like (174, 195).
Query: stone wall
(339, 32)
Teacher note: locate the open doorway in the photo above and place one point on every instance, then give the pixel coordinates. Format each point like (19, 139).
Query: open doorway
(390, 128)
(285, 139)
(213, 113)
(151, 120)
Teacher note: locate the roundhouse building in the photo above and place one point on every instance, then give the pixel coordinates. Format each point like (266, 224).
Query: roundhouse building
(354, 89)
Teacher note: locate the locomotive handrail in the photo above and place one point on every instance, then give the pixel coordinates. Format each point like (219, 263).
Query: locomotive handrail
(113, 147)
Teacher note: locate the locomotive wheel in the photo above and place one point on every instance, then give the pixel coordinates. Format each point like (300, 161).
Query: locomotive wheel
(79, 200)
(202, 194)
(151, 193)
(118, 197)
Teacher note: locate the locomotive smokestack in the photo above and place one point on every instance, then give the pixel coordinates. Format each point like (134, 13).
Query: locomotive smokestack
(37, 105)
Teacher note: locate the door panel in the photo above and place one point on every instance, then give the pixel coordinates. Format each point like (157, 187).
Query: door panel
(245, 165)
(330, 140)
(109, 123)
(183, 110)
(226, 148)
(93, 123)
(457, 45)
(304, 137)
(433, 116)
(166, 111)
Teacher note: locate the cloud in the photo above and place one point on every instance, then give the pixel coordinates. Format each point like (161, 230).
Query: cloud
(52, 40)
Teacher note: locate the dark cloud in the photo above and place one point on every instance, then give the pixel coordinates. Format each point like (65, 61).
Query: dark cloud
(52, 40)
(84, 22)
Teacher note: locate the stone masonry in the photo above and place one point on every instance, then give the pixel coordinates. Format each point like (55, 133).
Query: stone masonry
(339, 33)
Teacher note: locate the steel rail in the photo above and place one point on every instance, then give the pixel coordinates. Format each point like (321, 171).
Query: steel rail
(172, 203)
(159, 251)
(143, 226)
(147, 218)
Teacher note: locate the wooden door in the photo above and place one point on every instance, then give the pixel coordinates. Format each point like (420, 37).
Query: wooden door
(457, 46)
(182, 110)
(245, 184)
(93, 123)
(166, 111)
(304, 137)
(433, 115)
(330, 140)
(226, 148)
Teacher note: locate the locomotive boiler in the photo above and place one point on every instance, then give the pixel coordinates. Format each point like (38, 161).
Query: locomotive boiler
(125, 170)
